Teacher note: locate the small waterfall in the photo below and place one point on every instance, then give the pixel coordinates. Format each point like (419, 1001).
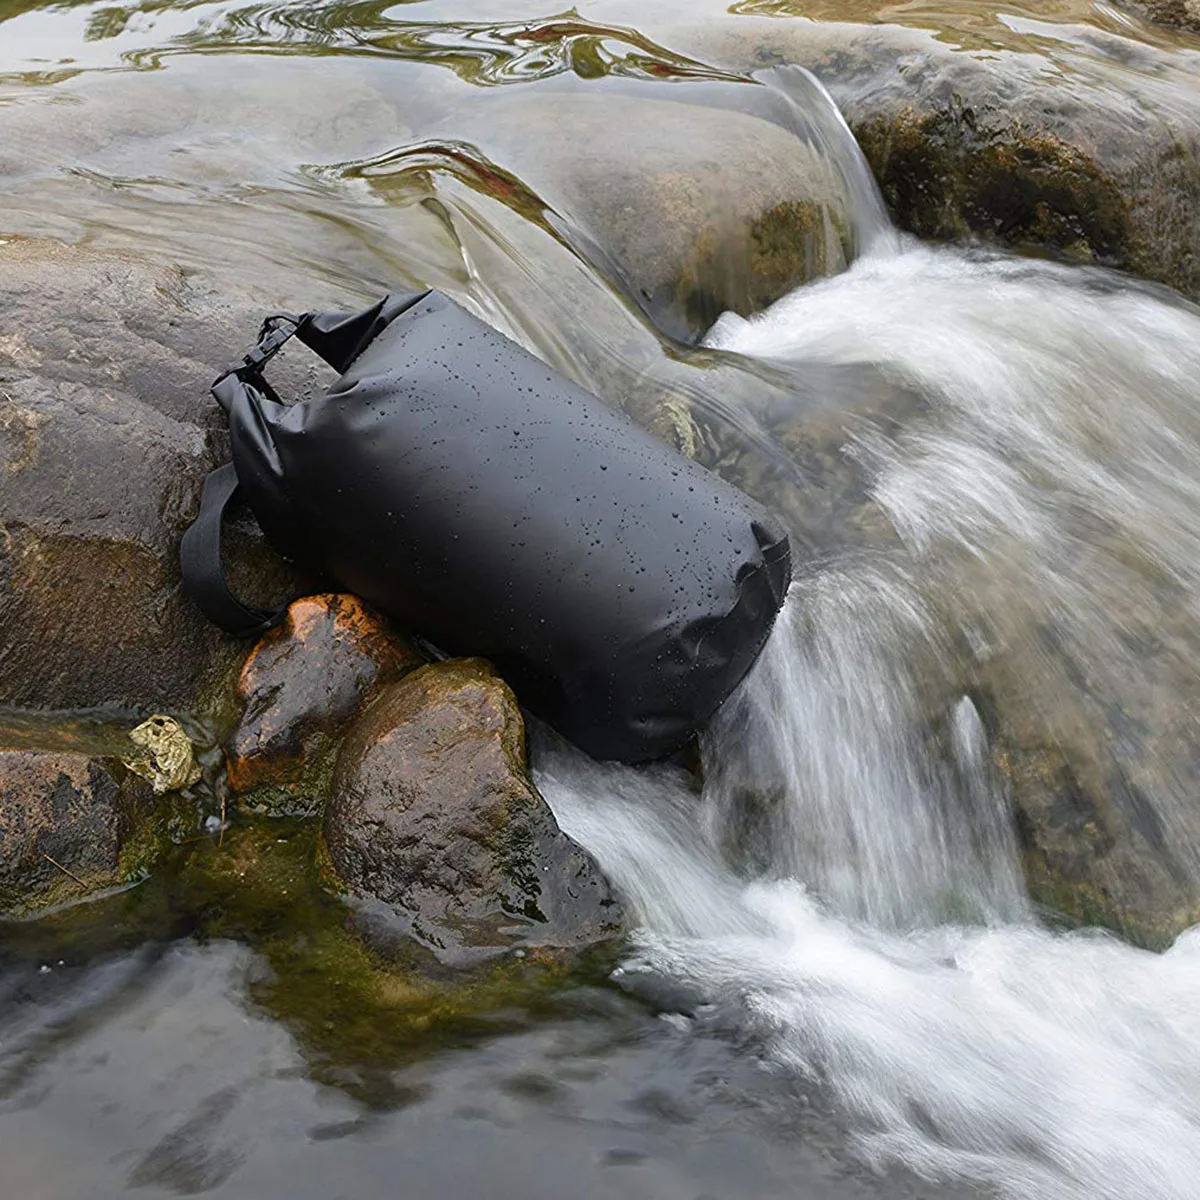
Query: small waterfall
(818, 122)
(820, 768)
(1045, 502)
(1034, 1065)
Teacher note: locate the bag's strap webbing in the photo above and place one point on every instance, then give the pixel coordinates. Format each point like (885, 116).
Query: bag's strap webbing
(200, 557)
(200, 551)
(338, 338)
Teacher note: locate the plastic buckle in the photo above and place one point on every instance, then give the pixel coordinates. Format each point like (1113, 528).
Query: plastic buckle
(275, 333)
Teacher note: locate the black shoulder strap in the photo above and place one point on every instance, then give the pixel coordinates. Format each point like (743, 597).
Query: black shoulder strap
(200, 557)
(200, 550)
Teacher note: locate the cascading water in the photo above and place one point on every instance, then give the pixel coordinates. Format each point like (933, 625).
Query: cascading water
(885, 833)
(848, 887)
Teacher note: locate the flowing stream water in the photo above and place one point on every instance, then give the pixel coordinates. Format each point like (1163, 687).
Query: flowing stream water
(837, 985)
(1034, 1063)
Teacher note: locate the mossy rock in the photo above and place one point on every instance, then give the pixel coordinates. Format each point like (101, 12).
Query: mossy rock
(983, 133)
(955, 172)
(434, 817)
(76, 819)
(358, 1013)
(1093, 848)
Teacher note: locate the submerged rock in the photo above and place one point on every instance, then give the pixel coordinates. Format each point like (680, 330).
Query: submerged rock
(693, 203)
(433, 814)
(299, 688)
(74, 819)
(1100, 772)
(357, 1015)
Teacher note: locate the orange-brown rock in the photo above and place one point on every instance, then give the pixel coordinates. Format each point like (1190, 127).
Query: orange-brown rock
(301, 685)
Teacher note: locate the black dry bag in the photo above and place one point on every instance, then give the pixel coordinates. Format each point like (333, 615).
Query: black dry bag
(461, 486)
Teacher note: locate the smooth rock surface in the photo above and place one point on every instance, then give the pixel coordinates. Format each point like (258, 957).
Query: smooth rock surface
(1035, 135)
(1100, 778)
(301, 685)
(433, 813)
(692, 203)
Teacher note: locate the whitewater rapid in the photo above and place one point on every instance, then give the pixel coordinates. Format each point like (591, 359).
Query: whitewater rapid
(847, 891)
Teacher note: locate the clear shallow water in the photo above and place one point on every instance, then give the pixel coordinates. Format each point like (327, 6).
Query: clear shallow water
(151, 1075)
(837, 979)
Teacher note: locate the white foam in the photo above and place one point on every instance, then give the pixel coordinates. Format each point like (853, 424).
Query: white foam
(1043, 1065)
(848, 889)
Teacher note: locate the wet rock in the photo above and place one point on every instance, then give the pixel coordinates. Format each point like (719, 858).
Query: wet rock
(106, 433)
(692, 205)
(1097, 854)
(164, 755)
(299, 688)
(1178, 14)
(74, 819)
(357, 1016)
(1100, 771)
(433, 814)
(1073, 140)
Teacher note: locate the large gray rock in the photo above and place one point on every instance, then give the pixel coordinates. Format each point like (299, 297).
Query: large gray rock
(1071, 139)
(106, 434)
(433, 814)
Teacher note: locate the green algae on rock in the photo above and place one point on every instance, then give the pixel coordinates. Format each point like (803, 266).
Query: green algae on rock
(434, 816)
(357, 1009)
(1031, 142)
(75, 820)
(1087, 860)
(356, 1012)
(1080, 772)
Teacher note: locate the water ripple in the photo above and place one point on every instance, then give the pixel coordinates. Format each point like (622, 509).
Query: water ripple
(478, 52)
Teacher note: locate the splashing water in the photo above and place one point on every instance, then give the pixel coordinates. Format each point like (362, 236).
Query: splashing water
(1040, 1065)
(1047, 500)
(848, 886)
(885, 833)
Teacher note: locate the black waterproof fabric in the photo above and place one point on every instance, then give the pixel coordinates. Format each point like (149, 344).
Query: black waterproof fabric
(460, 485)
